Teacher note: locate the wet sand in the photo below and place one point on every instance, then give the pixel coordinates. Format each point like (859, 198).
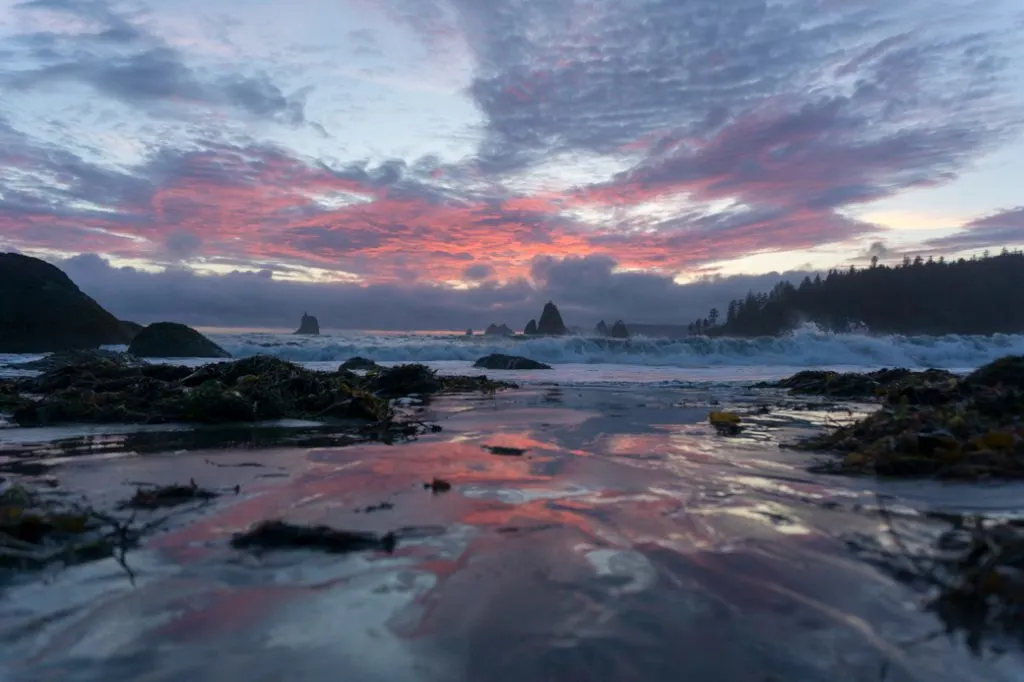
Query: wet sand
(628, 542)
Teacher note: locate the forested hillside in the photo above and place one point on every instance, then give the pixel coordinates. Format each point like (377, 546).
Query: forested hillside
(977, 296)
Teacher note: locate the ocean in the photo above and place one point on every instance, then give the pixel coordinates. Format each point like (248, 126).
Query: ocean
(628, 541)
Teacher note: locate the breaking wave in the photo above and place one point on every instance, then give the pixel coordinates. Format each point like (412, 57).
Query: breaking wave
(804, 348)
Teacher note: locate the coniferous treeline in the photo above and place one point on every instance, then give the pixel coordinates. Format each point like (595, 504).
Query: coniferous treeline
(976, 296)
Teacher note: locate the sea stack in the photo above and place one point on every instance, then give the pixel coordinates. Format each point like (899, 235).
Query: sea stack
(495, 330)
(308, 326)
(601, 329)
(551, 323)
(531, 328)
(619, 330)
(42, 310)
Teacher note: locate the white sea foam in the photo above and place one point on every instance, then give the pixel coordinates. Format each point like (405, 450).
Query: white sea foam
(807, 347)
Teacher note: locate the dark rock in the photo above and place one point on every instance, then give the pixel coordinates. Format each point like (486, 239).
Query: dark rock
(469, 332)
(619, 330)
(438, 485)
(308, 326)
(495, 330)
(551, 323)
(499, 361)
(131, 329)
(601, 329)
(173, 340)
(42, 310)
(359, 363)
(281, 536)
(531, 328)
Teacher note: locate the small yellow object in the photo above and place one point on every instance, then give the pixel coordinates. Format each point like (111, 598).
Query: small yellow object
(724, 418)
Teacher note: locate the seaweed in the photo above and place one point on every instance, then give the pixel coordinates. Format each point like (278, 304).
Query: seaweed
(933, 423)
(112, 388)
(279, 535)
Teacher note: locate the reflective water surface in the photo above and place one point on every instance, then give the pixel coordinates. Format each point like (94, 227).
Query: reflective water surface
(628, 542)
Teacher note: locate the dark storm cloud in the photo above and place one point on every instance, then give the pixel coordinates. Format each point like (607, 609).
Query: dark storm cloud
(1005, 228)
(123, 61)
(585, 289)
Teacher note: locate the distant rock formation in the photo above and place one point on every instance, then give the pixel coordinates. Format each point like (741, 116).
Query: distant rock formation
(601, 329)
(499, 361)
(469, 332)
(173, 340)
(309, 326)
(495, 330)
(531, 328)
(551, 323)
(619, 330)
(42, 310)
(359, 362)
(131, 329)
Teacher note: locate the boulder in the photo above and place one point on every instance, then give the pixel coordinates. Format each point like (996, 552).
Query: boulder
(551, 323)
(495, 330)
(359, 362)
(42, 310)
(531, 328)
(619, 330)
(173, 340)
(308, 326)
(601, 329)
(499, 361)
(469, 332)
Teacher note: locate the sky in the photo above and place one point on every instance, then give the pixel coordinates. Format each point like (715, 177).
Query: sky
(450, 163)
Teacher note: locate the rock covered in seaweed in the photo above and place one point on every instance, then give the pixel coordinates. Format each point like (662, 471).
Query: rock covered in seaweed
(106, 390)
(931, 423)
(500, 361)
(42, 310)
(308, 326)
(173, 340)
(551, 323)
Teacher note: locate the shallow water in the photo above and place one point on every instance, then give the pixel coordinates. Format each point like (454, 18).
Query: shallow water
(629, 542)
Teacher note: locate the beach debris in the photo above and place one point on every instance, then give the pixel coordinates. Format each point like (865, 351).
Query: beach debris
(972, 572)
(725, 423)
(438, 485)
(381, 506)
(36, 531)
(106, 389)
(500, 361)
(359, 362)
(934, 423)
(172, 495)
(280, 535)
(505, 451)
